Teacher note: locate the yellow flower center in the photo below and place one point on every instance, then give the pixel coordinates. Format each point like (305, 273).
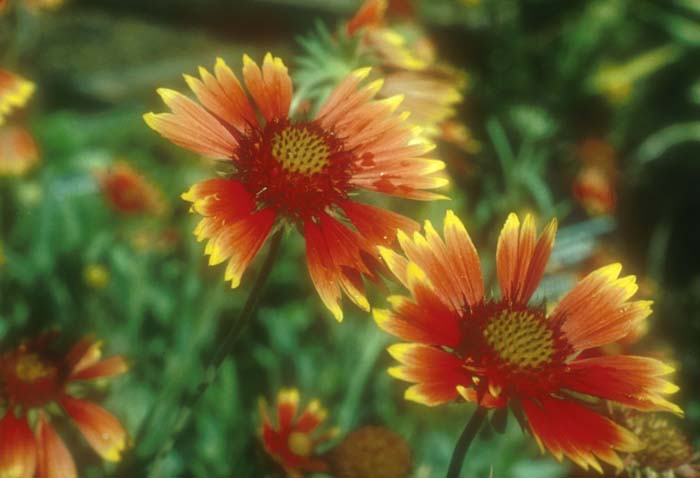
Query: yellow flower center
(30, 368)
(520, 338)
(300, 444)
(300, 150)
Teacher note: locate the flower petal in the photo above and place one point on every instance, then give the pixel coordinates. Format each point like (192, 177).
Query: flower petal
(597, 311)
(14, 92)
(239, 243)
(110, 367)
(17, 447)
(271, 88)
(223, 95)
(520, 260)
(370, 14)
(54, 459)
(378, 225)
(287, 405)
(630, 380)
(101, 429)
(321, 268)
(463, 257)
(312, 416)
(435, 372)
(567, 428)
(192, 127)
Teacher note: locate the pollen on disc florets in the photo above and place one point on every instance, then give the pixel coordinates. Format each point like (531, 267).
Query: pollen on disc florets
(300, 150)
(297, 168)
(520, 338)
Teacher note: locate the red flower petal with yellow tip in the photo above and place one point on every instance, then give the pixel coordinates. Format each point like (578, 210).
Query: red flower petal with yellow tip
(497, 350)
(299, 171)
(19, 154)
(54, 459)
(102, 431)
(17, 447)
(291, 438)
(14, 92)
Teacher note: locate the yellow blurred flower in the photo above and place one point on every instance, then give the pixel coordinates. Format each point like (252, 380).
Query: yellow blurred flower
(96, 276)
(15, 91)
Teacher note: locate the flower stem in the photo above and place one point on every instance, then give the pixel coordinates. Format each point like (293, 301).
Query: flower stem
(225, 348)
(462, 446)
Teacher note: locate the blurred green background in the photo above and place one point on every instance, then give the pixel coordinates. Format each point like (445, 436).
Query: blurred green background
(544, 76)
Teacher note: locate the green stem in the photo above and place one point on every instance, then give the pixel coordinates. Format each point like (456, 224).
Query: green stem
(462, 446)
(225, 348)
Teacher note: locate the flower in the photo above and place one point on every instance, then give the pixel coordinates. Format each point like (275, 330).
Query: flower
(371, 451)
(594, 186)
(408, 60)
(33, 378)
(15, 91)
(290, 440)
(19, 153)
(129, 192)
(508, 352)
(667, 451)
(96, 276)
(299, 172)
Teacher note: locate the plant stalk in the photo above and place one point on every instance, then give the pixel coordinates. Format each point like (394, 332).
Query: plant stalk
(465, 440)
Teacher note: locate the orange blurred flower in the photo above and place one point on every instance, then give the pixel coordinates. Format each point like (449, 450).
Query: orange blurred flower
(19, 153)
(129, 192)
(292, 440)
(594, 186)
(302, 172)
(407, 59)
(501, 352)
(33, 380)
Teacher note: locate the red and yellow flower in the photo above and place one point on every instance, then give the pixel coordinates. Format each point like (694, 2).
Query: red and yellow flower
(33, 379)
(505, 351)
(18, 151)
(129, 192)
(300, 172)
(292, 438)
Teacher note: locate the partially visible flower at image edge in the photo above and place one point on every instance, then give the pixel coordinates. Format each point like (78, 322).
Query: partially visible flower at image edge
(33, 379)
(507, 352)
(302, 172)
(291, 438)
(667, 451)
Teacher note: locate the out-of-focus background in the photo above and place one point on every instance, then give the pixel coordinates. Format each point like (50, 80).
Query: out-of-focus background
(584, 110)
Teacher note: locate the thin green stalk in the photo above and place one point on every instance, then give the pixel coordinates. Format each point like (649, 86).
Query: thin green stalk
(465, 440)
(224, 349)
